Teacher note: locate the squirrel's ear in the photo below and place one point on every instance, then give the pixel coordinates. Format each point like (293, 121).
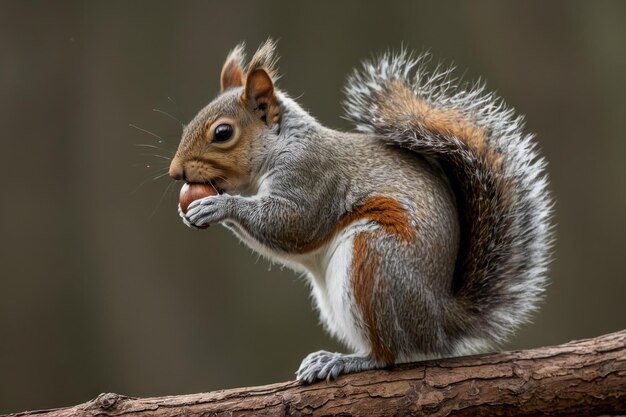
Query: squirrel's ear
(232, 71)
(260, 97)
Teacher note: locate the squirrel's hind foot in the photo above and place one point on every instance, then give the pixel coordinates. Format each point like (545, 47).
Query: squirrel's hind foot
(328, 365)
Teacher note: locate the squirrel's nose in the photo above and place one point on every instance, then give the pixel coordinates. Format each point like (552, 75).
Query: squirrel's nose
(176, 169)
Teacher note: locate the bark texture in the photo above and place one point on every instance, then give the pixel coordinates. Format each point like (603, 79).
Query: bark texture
(586, 377)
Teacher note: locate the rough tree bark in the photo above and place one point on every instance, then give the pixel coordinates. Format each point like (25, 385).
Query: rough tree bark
(586, 377)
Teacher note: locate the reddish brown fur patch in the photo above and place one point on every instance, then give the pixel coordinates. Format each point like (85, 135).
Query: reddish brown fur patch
(401, 102)
(365, 264)
(393, 219)
(385, 211)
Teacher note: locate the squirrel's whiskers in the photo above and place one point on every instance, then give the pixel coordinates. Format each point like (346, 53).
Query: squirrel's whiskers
(163, 112)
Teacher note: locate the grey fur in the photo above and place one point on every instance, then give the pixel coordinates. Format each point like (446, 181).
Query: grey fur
(305, 178)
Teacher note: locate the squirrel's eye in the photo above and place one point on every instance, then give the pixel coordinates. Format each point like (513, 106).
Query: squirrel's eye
(223, 132)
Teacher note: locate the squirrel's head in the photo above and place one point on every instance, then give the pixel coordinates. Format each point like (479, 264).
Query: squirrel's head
(218, 146)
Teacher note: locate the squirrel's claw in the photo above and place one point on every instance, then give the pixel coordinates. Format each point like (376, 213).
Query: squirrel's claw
(329, 365)
(184, 218)
(207, 211)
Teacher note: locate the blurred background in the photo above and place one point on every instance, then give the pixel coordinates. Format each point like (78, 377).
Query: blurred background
(103, 289)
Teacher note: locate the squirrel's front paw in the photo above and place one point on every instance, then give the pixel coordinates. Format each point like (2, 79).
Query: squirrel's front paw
(183, 216)
(329, 365)
(207, 211)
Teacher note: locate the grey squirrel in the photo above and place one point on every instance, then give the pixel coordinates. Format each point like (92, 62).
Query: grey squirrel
(427, 234)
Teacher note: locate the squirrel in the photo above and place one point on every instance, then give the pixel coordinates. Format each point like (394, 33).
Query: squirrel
(424, 234)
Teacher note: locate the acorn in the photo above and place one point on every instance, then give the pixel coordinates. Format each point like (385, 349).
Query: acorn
(191, 192)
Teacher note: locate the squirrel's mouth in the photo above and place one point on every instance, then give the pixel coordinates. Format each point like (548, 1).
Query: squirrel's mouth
(225, 186)
(213, 184)
(219, 184)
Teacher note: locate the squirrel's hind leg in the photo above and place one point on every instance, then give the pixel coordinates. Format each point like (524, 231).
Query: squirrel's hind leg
(329, 365)
(351, 264)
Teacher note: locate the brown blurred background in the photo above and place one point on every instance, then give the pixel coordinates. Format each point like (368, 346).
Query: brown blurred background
(101, 286)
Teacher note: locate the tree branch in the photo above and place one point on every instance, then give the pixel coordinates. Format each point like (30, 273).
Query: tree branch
(586, 377)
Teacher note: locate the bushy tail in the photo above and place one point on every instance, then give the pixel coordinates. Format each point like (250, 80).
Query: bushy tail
(495, 170)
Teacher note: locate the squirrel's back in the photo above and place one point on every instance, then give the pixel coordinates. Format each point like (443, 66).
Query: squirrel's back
(495, 171)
